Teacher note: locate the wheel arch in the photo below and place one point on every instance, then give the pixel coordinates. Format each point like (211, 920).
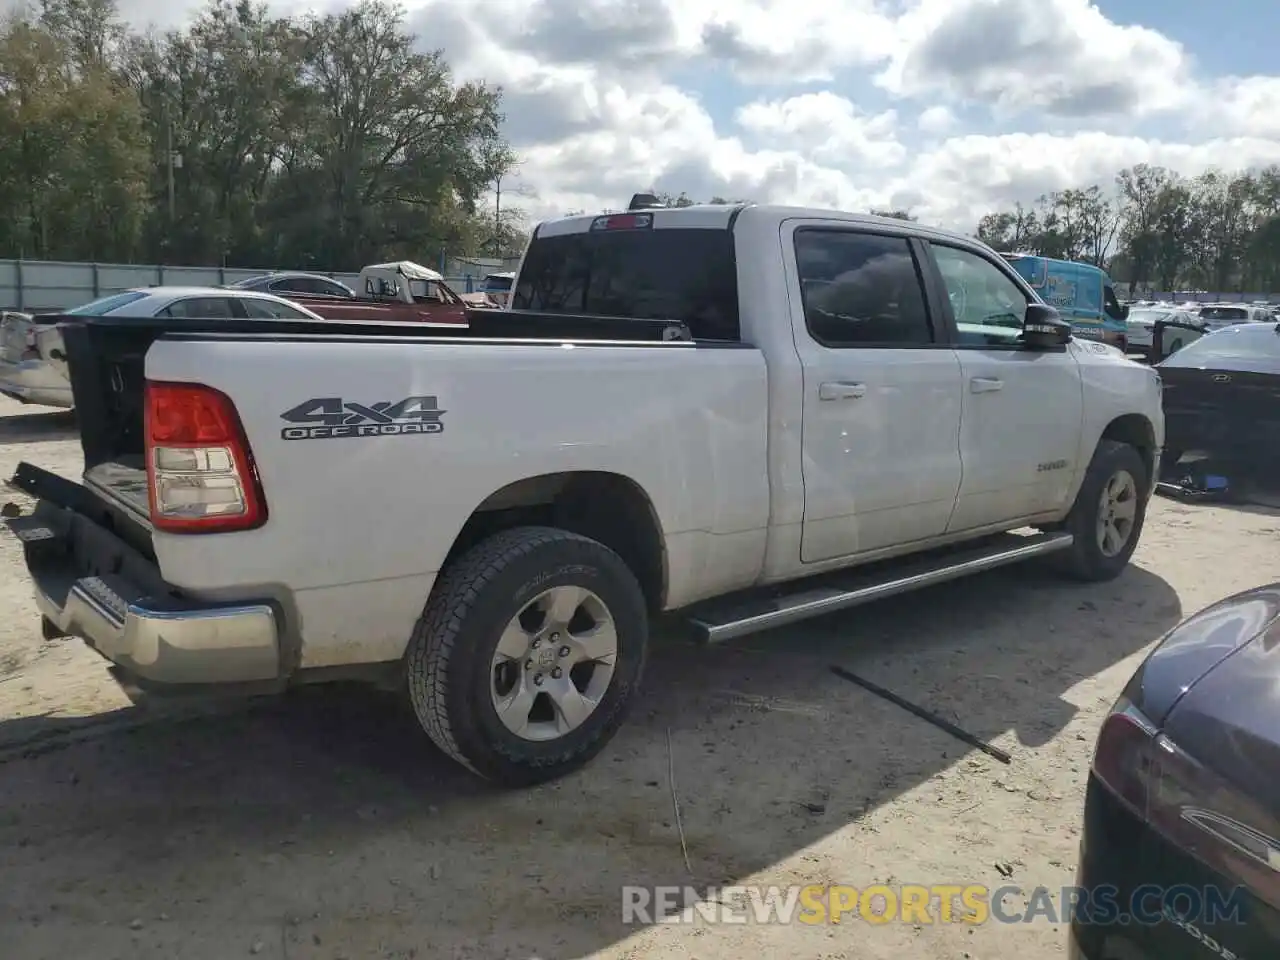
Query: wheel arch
(607, 507)
(1137, 431)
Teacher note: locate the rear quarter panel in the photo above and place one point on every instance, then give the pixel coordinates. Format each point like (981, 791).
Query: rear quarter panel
(359, 526)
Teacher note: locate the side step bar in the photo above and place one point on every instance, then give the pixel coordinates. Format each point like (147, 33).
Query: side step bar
(722, 620)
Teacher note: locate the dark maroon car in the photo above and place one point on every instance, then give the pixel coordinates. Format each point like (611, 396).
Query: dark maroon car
(1180, 852)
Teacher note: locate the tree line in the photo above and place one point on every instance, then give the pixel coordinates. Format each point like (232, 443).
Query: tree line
(245, 139)
(1158, 230)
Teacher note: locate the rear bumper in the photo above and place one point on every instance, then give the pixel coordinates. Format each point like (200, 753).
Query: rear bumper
(35, 381)
(90, 584)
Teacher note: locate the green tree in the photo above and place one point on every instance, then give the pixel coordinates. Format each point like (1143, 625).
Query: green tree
(72, 151)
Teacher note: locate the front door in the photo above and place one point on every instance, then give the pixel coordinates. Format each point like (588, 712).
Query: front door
(1023, 409)
(882, 398)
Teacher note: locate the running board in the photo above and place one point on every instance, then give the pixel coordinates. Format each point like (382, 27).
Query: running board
(727, 619)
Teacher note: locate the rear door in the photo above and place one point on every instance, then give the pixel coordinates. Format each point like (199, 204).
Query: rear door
(882, 393)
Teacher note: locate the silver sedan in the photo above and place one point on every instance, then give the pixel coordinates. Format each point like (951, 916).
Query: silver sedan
(33, 362)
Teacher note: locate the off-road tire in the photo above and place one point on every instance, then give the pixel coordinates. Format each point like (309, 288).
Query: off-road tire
(1085, 559)
(448, 661)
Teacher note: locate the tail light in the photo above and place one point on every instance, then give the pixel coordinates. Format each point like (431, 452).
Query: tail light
(1124, 756)
(200, 470)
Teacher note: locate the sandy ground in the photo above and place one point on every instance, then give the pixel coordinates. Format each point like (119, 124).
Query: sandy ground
(323, 825)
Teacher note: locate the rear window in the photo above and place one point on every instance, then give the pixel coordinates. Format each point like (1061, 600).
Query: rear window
(498, 283)
(104, 305)
(1257, 342)
(1224, 313)
(682, 275)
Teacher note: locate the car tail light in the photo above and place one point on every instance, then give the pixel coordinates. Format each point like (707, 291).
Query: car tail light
(1124, 755)
(200, 470)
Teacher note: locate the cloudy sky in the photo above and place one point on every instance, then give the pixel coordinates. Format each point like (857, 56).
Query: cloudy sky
(948, 107)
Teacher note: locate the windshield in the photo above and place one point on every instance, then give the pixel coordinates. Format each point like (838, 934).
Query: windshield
(498, 283)
(104, 305)
(1253, 342)
(1150, 316)
(250, 282)
(682, 275)
(1224, 313)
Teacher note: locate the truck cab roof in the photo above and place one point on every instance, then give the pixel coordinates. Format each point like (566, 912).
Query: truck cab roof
(725, 216)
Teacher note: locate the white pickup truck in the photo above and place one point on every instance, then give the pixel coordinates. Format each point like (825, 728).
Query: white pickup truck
(746, 415)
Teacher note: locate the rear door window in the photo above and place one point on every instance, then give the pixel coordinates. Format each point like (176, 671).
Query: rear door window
(270, 310)
(685, 276)
(861, 289)
(293, 285)
(200, 308)
(330, 288)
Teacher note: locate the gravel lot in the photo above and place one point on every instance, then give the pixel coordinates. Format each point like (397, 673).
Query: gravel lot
(323, 825)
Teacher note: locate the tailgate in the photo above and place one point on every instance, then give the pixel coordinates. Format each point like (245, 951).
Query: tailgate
(92, 582)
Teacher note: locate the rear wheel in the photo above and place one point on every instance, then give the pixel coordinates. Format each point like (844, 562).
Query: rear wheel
(527, 655)
(1106, 520)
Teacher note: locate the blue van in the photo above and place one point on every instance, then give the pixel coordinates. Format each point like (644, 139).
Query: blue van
(1082, 292)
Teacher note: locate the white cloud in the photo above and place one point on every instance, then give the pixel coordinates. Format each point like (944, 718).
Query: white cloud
(1245, 103)
(936, 119)
(594, 102)
(826, 127)
(1062, 57)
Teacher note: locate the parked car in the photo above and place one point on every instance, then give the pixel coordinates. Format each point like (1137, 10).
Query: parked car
(293, 283)
(498, 287)
(1181, 837)
(1222, 395)
(1141, 325)
(743, 398)
(1218, 315)
(33, 361)
(26, 372)
(399, 292)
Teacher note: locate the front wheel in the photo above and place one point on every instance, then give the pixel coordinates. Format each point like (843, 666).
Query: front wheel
(527, 655)
(1106, 520)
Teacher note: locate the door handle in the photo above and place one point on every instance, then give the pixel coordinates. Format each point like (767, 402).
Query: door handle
(985, 385)
(842, 390)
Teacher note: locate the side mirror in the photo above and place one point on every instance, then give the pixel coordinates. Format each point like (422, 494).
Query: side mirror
(1043, 328)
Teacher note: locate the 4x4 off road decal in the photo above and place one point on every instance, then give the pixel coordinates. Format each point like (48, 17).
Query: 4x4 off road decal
(332, 418)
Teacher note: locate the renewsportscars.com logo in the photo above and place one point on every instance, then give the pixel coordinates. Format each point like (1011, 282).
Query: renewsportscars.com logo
(332, 418)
